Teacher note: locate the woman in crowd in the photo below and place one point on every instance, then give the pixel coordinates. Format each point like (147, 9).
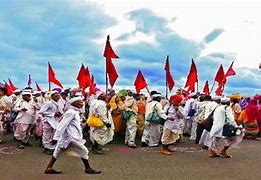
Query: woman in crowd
(173, 126)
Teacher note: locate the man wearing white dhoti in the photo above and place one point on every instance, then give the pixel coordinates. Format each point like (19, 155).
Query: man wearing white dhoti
(51, 117)
(24, 121)
(101, 136)
(222, 115)
(210, 106)
(152, 131)
(69, 136)
(130, 106)
(190, 116)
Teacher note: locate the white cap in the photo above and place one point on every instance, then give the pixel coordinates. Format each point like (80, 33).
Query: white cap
(225, 99)
(156, 95)
(26, 93)
(75, 99)
(98, 93)
(78, 94)
(192, 94)
(16, 91)
(53, 92)
(37, 92)
(215, 98)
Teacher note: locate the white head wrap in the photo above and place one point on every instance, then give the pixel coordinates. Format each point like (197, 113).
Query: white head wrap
(225, 99)
(75, 99)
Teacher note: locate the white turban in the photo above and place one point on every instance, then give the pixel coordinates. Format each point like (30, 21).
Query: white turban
(75, 99)
(215, 98)
(225, 99)
(98, 93)
(156, 95)
(192, 94)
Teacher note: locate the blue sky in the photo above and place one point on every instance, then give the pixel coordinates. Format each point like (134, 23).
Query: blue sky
(67, 33)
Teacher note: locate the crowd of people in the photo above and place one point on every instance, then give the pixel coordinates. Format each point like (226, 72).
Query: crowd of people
(58, 119)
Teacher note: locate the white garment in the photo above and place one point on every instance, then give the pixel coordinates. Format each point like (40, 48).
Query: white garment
(48, 111)
(25, 117)
(219, 120)
(176, 125)
(152, 132)
(69, 129)
(130, 104)
(101, 135)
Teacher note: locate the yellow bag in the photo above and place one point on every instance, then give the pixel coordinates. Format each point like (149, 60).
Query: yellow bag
(95, 121)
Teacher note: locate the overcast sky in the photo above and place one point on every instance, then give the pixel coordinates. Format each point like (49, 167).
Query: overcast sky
(143, 32)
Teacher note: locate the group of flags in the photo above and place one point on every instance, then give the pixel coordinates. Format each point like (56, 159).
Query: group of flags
(85, 80)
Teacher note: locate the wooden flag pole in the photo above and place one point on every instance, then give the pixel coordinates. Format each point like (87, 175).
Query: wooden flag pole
(48, 77)
(212, 87)
(166, 86)
(148, 90)
(197, 87)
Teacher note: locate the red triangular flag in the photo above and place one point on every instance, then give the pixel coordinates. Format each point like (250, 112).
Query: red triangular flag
(12, 86)
(220, 75)
(37, 87)
(51, 76)
(112, 73)
(230, 71)
(206, 88)
(140, 82)
(219, 90)
(92, 79)
(29, 81)
(192, 76)
(108, 52)
(169, 77)
(83, 77)
(191, 88)
(9, 89)
(87, 71)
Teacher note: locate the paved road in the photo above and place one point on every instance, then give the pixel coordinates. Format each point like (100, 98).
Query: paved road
(120, 162)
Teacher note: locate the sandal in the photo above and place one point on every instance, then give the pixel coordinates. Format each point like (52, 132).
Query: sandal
(225, 156)
(92, 171)
(52, 171)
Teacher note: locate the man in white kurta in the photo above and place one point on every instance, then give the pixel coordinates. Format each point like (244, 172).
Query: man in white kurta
(23, 123)
(69, 136)
(210, 106)
(5, 109)
(190, 119)
(222, 115)
(152, 131)
(101, 136)
(130, 105)
(51, 117)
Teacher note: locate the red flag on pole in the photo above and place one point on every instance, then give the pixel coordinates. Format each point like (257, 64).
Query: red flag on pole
(220, 75)
(51, 76)
(110, 69)
(219, 90)
(192, 77)
(230, 71)
(29, 83)
(12, 86)
(108, 51)
(206, 88)
(169, 77)
(38, 88)
(83, 78)
(140, 82)
(92, 79)
(9, 89)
